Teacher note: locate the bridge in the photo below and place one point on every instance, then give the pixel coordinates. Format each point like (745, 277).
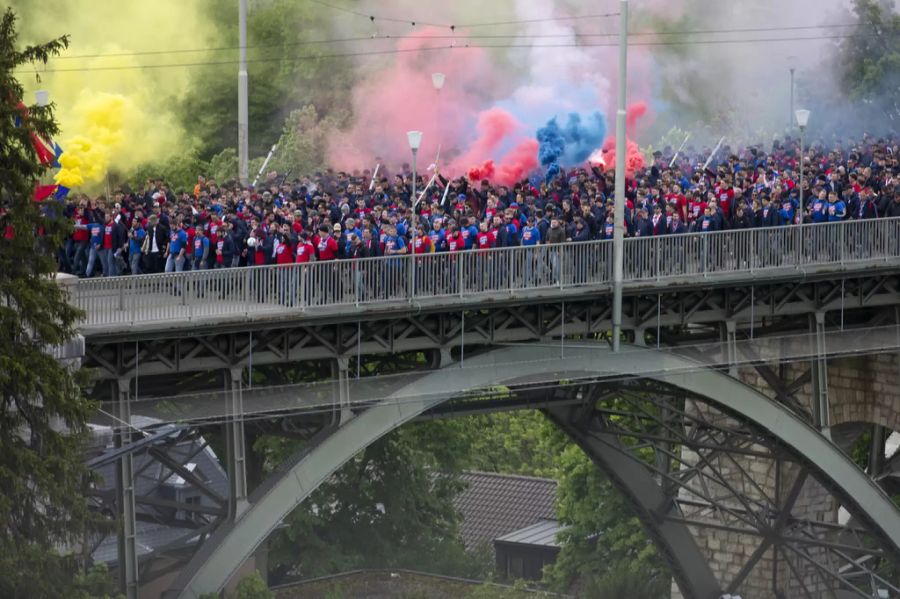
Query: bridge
(756, 360)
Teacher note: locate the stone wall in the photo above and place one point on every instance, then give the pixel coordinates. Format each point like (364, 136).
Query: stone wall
(861, 389)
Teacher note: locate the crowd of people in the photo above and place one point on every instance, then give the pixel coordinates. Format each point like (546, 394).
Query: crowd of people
(346, 216)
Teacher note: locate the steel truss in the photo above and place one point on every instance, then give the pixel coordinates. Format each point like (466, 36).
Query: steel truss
(671, 316)
(736, 487)
(165, 452)
(704, 459)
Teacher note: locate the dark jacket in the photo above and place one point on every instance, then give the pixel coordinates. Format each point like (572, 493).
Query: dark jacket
(162, 238)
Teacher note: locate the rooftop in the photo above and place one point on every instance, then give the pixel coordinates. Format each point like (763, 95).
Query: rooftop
(495, 505)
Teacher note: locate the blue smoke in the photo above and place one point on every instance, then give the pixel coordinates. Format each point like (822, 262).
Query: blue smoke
(570, 145)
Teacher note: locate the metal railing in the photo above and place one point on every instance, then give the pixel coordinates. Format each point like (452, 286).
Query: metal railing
(208, 295)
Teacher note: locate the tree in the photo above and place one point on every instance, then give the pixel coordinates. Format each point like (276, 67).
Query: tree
(253, 587)
(869, 61)
(521, 442)
(602, 533)
(390, 506)
(42, 506)
(286, 70)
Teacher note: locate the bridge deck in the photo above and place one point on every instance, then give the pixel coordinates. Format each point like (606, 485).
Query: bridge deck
(350, 288)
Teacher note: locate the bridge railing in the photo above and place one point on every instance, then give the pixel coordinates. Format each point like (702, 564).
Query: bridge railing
(670, 259)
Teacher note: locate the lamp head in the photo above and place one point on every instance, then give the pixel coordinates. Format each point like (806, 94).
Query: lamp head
(42, 97)
(802, 117)
(415, 140)
(437, 79)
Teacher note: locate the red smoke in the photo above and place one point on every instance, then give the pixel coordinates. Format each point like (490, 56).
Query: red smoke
(496, 126)
(634, 158)
(485, 171)
(520, 161)
(401, 98)
(493, 127)
(635, 112)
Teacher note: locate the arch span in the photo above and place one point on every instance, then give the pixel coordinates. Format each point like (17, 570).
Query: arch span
(218, 559)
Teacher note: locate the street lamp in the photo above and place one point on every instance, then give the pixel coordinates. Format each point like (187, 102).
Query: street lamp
(437, 80)
(792, 96)
(802, 119)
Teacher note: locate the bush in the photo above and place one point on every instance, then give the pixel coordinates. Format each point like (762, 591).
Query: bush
(253, 587)
(623, 581)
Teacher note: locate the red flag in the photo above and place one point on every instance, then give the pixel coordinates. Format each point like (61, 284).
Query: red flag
(45, 154)
(42, 192)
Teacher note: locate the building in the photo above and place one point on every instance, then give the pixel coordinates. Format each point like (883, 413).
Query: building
(511, 517)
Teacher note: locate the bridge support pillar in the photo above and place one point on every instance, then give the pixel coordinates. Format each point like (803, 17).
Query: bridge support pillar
(236, 444)
(731, 345)
(340, 372)
(821, 409)
(128, 558)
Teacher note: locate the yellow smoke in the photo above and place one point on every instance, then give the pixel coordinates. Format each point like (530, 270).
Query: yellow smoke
(115, 115)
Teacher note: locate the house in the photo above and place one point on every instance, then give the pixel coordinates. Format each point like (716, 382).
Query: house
(511, 517)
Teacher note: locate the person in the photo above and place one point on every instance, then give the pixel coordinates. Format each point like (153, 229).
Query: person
(96, 245)
(305, 249)
(136, 236)
(200, 253)
(837, 209)
(155, 245)
(175, 252)
(326, 246)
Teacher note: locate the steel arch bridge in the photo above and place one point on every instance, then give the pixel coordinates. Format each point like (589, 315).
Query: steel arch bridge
(699, 454)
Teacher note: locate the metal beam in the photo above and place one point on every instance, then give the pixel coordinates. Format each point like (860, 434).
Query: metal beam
(234, 542)
(236, 444)
(125, 494)
(674, 539)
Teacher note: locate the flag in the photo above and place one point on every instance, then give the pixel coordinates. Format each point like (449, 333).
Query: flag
(45, 156)
(61, 192)
(42, 192)
(57, 152)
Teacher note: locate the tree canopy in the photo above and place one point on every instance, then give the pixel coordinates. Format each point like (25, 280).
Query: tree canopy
(43, 414)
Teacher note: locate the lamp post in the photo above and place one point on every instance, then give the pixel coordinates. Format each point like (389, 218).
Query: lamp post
(619, 212)
(437, 80)
(790, 120)
(243, 100)
(415, 141)
(802, 119)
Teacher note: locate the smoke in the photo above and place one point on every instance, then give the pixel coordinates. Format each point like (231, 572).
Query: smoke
(115, 115)
(741, 90)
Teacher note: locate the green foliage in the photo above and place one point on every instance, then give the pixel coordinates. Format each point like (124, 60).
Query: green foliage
(303, 145)
(180, 171)
(625, 581)
(602, 533)
(253, 586)
(223, 167)
(285, 73)
(95, 583)
(869, 61)
(42, 507)
(385, 508)
(522, 442)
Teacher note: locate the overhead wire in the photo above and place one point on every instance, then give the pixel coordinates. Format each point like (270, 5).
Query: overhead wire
(449, 47)
(456, 37)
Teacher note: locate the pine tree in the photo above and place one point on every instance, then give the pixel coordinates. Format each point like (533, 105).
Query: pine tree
(43, 512)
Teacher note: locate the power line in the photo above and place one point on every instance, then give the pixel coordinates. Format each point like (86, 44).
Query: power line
(453, 27)
(438, 48)
(456, 37)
